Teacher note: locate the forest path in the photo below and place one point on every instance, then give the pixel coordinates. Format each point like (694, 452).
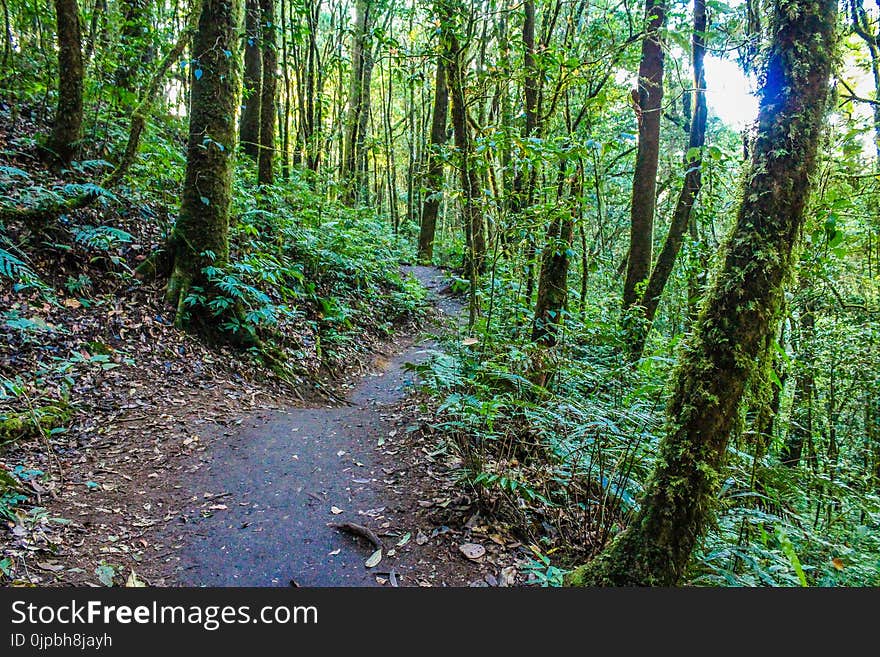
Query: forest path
(285, 482)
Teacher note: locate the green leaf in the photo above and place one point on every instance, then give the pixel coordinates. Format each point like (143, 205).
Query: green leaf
(105, 574)
(789, 551)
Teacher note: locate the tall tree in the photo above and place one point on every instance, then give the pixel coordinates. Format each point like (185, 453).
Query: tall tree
(200, 235)
(474, 228)
(647, 102)
(434, 175)
(690, 189)
(354, 158)
(64, 142)
(249, 124)
(741, 309)
(553, 282)
(268, 104)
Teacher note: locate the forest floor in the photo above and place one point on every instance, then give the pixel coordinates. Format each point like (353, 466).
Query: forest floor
(239, 483)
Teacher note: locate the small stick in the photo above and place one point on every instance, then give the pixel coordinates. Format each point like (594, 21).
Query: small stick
(359, 530)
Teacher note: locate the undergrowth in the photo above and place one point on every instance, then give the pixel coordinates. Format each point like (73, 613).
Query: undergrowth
(566, 464)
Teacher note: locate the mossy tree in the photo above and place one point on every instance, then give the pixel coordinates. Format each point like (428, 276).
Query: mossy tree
(200, 235)
(553, 282)
(740, 310)
(64, 142)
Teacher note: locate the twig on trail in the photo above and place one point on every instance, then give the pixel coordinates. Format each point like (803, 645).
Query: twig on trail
(323, 390)
(211, 498)
(359, 530)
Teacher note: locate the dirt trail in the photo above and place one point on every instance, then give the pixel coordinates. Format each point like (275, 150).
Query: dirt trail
(281, 480)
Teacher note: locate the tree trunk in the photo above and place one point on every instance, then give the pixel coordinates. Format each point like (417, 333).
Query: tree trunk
(249, 125)
(267, 95)
(525, 179)
(475, 259)
(693, 182)
(740, 311)
(648, 100)
(800, 429)
(553, 282)
(353, 163)
(200, 235)
(434, 174)
(64, 142)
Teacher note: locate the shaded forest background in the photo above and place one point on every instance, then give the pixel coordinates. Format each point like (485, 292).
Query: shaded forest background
(558, 157)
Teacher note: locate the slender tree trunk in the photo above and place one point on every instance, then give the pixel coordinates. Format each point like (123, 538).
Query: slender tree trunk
(64, 142)
(525, 179)
(200, 235)
(740, 311)
(690, 189)
(800, 429)
(249, 125)
(265, 172)
(434, 175)
(475, 261)
(354, 160)
(648, 99)
(553, 282)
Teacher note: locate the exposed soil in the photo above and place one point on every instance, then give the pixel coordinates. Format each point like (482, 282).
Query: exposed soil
(218, 477)
(285, 479)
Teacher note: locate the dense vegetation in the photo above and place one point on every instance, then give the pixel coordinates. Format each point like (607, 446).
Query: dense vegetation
(670, 350)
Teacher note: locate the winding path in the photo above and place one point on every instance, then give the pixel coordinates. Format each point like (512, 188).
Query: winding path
(294, 473)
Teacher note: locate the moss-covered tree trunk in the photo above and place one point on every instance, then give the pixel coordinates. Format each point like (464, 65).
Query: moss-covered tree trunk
(740, 311)
(67, 131)
(647, 102)
(268, 103)
(249, 124)
(434, 174)
(553, 282)
(200, 235)
(693, 182)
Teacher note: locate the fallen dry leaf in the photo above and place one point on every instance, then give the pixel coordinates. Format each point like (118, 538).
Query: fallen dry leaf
(472, 551)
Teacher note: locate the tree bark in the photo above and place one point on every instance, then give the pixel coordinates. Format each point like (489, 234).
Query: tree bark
(354, 161)
(200, 235)
(64, 142)
(800, 428)
(475, 259)
(249, 125)
(740, 312)
(553, 282)
(434, 174)
(265, 173)
(648, 110)
(690, 189)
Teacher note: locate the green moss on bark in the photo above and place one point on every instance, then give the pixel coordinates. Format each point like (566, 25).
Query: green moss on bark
(739, 312)
(200, 236)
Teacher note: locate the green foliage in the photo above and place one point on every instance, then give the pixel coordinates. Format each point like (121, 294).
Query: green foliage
(307, 263)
